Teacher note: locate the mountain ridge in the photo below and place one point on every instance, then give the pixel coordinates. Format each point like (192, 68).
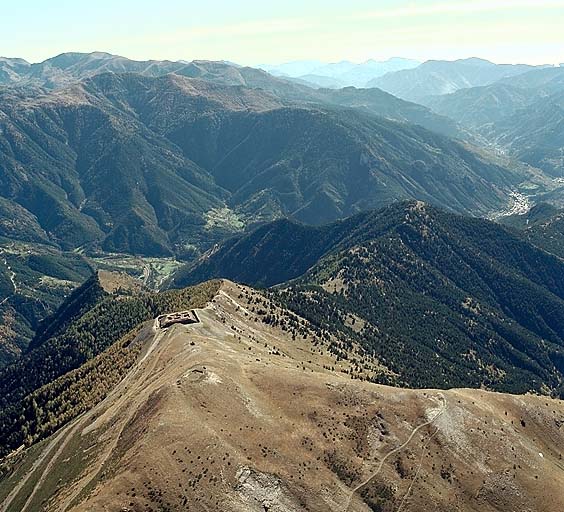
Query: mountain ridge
(169, 145)
(252, 384)
(390, 268)
(442, 77)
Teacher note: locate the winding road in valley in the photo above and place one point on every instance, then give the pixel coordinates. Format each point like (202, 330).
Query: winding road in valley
(12, 276)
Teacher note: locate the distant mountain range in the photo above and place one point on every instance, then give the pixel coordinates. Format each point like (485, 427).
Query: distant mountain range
(66, 68)
(339, 74)
(444, 77)
(69, 68)
(523, 115)
(478, 106)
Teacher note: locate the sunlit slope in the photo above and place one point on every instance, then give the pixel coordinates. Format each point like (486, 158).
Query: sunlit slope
(233, 414)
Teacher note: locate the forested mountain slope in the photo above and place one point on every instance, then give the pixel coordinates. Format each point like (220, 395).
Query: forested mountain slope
(443, 300)
(169, 165)
(537, 214)
(548, 233)
(34, 280)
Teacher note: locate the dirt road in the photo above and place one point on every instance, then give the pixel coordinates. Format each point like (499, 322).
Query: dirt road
(360, 486)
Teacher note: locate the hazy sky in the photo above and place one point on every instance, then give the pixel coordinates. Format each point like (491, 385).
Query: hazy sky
(264, 31)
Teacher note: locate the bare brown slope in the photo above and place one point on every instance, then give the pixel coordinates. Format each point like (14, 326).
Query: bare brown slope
(233, 415)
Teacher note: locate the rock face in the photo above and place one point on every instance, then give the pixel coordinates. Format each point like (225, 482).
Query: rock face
(233, 414)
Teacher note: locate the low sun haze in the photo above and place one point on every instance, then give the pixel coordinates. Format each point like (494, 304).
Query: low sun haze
(252, 32)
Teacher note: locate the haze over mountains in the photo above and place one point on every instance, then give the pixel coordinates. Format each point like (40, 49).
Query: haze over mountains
(339, 74)
(517, 108)
(522, 115)
(443, 77)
